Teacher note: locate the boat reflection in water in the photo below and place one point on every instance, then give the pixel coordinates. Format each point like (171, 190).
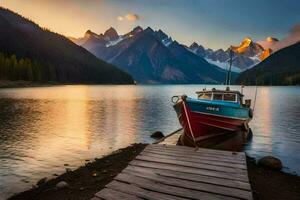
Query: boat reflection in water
(217, 118)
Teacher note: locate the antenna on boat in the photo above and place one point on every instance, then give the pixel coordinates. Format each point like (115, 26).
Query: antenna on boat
(228, 77)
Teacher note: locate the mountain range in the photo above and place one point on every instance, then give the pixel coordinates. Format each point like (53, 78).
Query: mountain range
(29, 52)
(151, 56)
(280, 68)
(134, 53)
(252, 54)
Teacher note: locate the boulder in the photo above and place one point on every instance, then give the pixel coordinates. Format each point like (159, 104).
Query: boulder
(270, 163)
(157, 134)
(62, 184)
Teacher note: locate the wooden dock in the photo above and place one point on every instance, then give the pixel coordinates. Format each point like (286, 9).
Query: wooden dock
(169, 172)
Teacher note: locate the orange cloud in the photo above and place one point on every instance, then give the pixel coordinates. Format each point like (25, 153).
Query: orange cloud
(129, 17)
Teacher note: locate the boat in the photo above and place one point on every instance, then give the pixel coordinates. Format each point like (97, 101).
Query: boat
(214, 116)
(214, 113)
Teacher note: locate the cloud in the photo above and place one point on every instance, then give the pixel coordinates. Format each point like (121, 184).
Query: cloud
(129, 17)
(292, 38)
(120, 18)
(295, 30)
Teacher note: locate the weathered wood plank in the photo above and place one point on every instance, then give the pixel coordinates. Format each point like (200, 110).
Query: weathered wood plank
(197, 157)
(110, 194)
(96, 198)
(191, 177)
(163, 188)
(222, 190)
(189, 159)
(199, 154)
(197, 150)
(192, 164)
(140, 192)
(185, 148)
(239, 177)
(193, 151)
(169, 172)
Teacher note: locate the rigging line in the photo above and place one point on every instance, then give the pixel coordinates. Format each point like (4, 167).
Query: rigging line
(255, 98)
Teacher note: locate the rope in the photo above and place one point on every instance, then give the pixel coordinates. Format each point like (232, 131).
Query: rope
(189, 124)
(254, 99)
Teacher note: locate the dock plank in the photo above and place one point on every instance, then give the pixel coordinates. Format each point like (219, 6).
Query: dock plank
(170, 172)
(110, 194)
(189, 170)
(199, 154)
(140, 192)
(190, 163)
(172, 190)
(215, 189)
(194, 151)
(203, 157)
(185, 148)
(192, 177)
(210, 162)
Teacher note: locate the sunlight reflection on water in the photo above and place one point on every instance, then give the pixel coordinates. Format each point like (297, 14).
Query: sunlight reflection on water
(46, 127)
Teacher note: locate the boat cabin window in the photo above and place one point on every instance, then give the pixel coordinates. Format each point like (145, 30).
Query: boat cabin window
(218, 97)
(229, 97)
(205, 96)
(224, 97)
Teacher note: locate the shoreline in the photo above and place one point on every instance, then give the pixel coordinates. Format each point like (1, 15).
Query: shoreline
(269, 184)
(87, 180)
(28, 84)
(84, 181)
(24, 84)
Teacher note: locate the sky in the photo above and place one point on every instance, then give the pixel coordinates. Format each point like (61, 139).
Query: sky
(213, 23)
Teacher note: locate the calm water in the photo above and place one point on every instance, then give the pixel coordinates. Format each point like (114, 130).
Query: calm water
(41, 129)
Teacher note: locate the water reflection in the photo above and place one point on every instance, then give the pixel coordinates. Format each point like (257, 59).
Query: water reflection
(262, 120)
(44, 128)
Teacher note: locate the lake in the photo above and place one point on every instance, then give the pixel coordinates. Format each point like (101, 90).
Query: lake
(43, 128)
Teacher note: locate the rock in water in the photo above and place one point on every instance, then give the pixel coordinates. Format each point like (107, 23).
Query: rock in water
(62, 184)
(157, 134)
(270, 163)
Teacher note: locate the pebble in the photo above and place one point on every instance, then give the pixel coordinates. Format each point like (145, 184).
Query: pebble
(95, 174)
(81, 188)
(62, 184)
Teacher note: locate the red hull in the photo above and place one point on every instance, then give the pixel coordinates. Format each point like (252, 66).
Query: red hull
(200, 126)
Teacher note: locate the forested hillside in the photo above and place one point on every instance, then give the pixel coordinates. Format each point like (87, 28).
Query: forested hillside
(29, 52)
(12, 68)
